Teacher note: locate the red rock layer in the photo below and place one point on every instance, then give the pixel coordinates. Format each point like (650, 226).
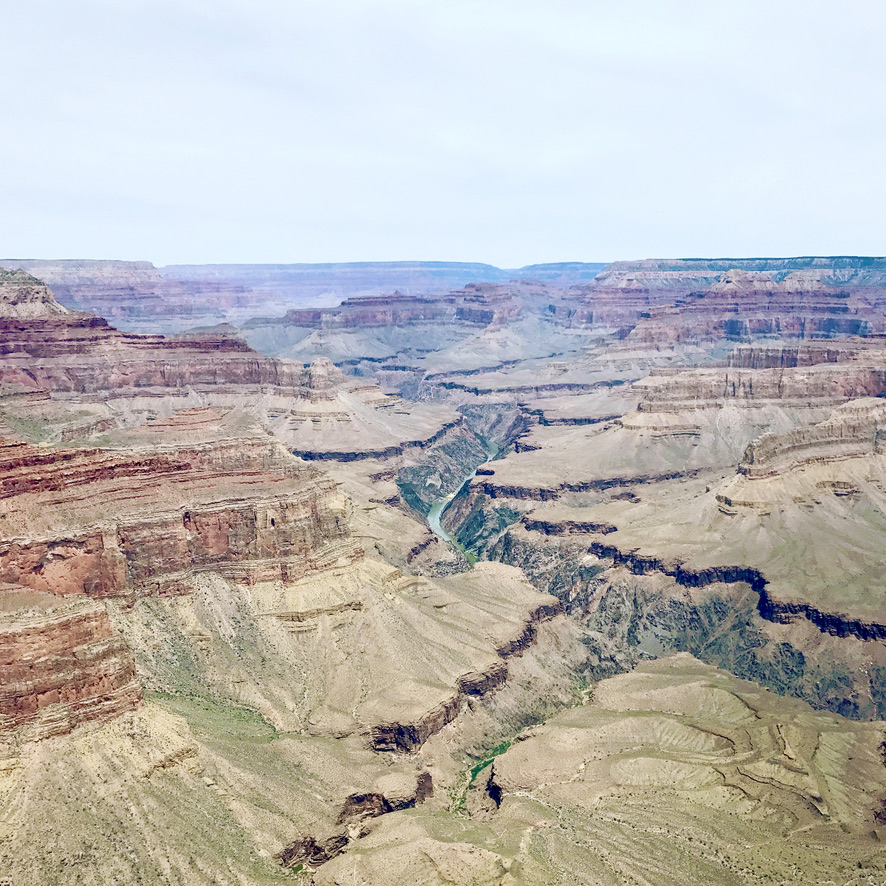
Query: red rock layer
(747, 314)
(123, 522)
(790, 357)
(80, 353)
(63, 667)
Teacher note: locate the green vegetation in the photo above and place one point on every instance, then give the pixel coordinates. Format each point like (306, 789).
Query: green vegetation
(34, 430)
(459, 790)
(217, 717)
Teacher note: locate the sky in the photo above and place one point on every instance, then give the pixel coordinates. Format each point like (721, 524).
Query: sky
(500, 131)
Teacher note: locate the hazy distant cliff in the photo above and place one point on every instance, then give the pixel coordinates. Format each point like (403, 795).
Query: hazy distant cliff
(687, 274)
(139, 297)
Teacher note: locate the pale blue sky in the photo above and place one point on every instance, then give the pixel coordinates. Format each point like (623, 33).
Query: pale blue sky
(473, 130)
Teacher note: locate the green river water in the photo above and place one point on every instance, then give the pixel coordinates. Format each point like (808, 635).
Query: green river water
(435, 514)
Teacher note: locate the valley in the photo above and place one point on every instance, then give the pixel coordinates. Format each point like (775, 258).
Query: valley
(438, 573)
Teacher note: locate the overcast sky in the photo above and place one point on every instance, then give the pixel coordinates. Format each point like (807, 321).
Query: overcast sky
(502, 131)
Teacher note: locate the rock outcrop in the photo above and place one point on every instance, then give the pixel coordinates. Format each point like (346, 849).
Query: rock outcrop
(130, 521)
(81, 354)
(61, 664)
(330, 417)
(696, 274)
(792, 356)
(854, 430)
(409, 737)
(822, 384)
(137, 296)
(26, 297)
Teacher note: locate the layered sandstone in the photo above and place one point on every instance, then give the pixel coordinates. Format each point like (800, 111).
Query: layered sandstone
(743, 300)
(60, 665)
(820, 384)
(140, 297)
(743, 315)
(137, 296)
(80, 354)
(477, 326)
(112, 522)
(854, 430)
(693, 275)
(794, 355)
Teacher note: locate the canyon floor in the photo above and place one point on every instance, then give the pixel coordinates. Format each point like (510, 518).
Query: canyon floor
(420, 574)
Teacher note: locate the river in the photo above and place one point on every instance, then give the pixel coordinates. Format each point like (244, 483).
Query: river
(435, 514)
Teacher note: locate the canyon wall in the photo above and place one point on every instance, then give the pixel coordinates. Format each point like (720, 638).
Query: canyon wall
(60, 666)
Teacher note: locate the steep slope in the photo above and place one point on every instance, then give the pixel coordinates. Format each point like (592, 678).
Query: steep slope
(187, 613)
(26, 297)
(232, 651)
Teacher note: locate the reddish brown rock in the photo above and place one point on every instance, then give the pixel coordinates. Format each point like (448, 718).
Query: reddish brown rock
(82, 354)
(111, 522)
(62, 665)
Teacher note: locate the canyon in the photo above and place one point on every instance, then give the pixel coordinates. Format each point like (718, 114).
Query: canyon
(440, 573)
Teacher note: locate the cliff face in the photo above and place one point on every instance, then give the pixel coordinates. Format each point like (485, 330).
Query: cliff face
(744, 315)
(193, 494)
(691, 300)
(81, 354)
(136, 295)
(820, 384)
(139, 297)
(854, 430)
(61, 665)
(476, 305)
(688, 275)
(790, 356)
(313, 659)
(394, 310)
(110, 523)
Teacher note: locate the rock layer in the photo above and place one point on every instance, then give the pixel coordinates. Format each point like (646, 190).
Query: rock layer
(110, 523)
(854, 430)
(26, 297)
(61, 666)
